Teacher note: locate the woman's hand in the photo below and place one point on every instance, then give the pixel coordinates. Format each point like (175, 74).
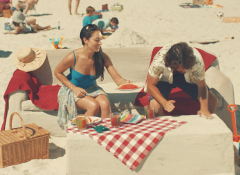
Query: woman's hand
(123, 81)
(79, 92)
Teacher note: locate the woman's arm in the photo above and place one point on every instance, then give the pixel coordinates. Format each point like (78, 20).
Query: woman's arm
(65, 64)
(113, 72)
(17, 30)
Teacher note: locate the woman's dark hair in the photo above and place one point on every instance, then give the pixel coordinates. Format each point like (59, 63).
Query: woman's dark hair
(16, 24)
(178, 54)
(98, 57)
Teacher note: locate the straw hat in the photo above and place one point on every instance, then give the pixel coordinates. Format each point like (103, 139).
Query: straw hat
(18, 16)
(29, 59)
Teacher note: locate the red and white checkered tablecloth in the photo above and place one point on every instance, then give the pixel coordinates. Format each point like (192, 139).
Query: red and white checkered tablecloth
(131, 143)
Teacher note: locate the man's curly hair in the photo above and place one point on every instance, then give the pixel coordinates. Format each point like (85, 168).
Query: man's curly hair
(180, 53)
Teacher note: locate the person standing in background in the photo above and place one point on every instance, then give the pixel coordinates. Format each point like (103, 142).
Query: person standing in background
(76, 7)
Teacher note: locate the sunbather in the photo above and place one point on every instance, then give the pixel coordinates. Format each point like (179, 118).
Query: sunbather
(87, 64)
(179, 65)
(25, 5)
(20, 25)
(4, 4)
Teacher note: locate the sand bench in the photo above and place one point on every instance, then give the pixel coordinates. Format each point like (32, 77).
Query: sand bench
(131, 63)
(198, 147)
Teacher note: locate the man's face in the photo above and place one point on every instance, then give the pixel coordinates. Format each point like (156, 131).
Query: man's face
(181, 69)
(112, 23)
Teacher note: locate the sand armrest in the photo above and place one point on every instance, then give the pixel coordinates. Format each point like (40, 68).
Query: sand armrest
(222, 87)
(220, 84)
(15, 100)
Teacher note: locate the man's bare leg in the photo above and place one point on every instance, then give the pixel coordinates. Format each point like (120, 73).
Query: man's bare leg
(76, 7)
(70, 6)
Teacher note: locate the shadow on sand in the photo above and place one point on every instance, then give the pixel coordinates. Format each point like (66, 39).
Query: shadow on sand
(4, 54)
(44, 14)
(55, 151)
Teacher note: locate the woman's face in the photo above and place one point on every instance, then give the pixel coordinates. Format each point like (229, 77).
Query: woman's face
(95, 41)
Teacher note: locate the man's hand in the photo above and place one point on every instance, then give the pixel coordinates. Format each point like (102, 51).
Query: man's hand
(169, 106)
(79, 92)
(205, 113)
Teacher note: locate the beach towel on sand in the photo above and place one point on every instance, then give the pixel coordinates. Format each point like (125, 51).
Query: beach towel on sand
(43, 96)
(184, 104)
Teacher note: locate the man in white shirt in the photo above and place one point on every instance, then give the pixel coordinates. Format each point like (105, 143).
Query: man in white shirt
(179, 65)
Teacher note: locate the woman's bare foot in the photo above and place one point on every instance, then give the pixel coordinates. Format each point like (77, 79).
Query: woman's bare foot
(76, 13)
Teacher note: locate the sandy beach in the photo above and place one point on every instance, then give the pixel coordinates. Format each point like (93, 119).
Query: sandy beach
(145, 23)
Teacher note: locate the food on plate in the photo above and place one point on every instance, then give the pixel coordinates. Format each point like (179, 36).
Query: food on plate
(128, 86)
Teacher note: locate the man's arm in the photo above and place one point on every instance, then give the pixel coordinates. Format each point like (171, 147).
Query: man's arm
(203, 99)
(154, 91)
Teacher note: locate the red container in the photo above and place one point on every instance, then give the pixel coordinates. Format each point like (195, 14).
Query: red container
(105, 7)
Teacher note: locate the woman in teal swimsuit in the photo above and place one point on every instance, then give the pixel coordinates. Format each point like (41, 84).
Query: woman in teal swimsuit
(86, 65)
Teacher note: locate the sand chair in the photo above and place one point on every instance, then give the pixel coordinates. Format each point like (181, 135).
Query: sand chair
(31, 9)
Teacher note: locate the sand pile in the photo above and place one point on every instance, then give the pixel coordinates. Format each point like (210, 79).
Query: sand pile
(124, 37)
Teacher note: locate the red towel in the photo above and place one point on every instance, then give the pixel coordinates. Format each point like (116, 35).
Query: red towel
(184, 105)
(43, 96)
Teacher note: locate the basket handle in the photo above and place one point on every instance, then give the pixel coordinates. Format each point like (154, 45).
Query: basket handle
(10, 123)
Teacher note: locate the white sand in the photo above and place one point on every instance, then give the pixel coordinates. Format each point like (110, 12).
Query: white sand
(142, 23)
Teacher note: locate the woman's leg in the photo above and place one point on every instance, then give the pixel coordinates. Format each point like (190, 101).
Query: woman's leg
(104, 106)
(76, 7)
(89, 104)
(70, 6)
(36, 26)
(31, 21)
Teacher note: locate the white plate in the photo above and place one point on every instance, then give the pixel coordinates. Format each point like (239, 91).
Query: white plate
(98, 120)
(129, 89)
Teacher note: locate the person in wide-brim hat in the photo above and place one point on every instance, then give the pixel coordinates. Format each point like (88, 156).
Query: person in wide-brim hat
(22, 25)
(29, 59)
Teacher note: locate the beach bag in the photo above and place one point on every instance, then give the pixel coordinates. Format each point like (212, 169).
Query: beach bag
(117, 7)
(23, 144)
(7, 26)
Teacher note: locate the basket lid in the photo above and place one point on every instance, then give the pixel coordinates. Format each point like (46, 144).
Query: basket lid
(17, 134)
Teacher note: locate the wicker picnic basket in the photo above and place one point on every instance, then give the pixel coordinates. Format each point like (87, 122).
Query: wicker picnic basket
(23, 144)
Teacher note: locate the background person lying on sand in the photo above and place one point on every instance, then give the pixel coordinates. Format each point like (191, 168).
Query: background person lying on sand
(20, 25)
(179, 65)
(103, 24)
(25, 5)
(86, 64)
